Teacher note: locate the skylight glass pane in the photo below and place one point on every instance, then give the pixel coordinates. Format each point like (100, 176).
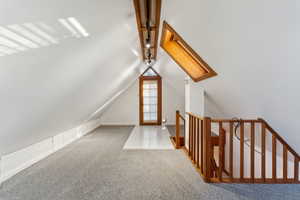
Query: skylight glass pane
(184, 55)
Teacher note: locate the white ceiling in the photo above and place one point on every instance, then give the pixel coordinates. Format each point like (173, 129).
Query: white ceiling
(49, 89)
(252, 45)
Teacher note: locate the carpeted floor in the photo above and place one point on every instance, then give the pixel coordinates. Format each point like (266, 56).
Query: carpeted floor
(96, 167)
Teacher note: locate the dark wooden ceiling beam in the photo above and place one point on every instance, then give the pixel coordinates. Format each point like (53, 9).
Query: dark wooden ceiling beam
(142, 28)
(158, 10)
(151, 28)
(139, 24)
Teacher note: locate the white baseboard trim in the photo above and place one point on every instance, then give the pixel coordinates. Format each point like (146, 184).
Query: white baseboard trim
(15, 162)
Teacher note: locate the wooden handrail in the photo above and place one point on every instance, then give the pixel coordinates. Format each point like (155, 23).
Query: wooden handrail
(283, 142)
(202, 142)
(197, 116)
(235, 120)
(181, 117)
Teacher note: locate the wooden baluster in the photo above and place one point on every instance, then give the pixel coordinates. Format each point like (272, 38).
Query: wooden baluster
(274, 167)
(221, 151)
(296, 169)
(263, 151)
(192, 139)
(241, 150)
(285, 170)
(207, 153)
(198, 137)
(177, 129)
(190, 133)
(231, 151)
(184, 132)
(252, 145)
(201, 142)
(194, 145)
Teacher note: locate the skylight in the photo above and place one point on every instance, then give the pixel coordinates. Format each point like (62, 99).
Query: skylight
(184, 55)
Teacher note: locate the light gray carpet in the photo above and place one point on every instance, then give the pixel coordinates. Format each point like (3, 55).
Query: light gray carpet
(96, 167)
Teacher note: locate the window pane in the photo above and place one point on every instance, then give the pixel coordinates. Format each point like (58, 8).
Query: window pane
(146, 108)
(146, 116)
(153, 85)
(146, 100)
(150, 100)
(153, 116)
(146, 93)
(153, 108)
(153, 93)
(150, 72)
(153, 100)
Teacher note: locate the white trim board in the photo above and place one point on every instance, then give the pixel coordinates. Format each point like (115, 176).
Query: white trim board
(15, 162)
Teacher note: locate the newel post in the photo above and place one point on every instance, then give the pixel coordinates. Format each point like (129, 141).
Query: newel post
(177, 139)
(207, 150)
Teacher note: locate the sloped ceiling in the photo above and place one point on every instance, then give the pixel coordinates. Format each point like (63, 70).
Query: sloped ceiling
(253, 46)
(55, 87)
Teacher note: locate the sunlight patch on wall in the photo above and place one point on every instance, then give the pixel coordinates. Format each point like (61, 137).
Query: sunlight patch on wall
(16, 38)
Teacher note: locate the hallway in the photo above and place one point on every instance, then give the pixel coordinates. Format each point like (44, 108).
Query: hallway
(96, 167)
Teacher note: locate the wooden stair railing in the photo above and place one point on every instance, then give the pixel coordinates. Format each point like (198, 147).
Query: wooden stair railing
(246, 158)
(179, 140)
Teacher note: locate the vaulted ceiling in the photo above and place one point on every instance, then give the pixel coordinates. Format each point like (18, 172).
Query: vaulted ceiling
(57, 86)
(69, 77)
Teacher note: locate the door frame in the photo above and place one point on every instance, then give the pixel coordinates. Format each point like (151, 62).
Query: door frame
(159, 99)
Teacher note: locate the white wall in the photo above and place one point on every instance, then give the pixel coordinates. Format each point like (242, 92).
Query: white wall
(13, 163)
(125, 109)
(194, 103)
(50, 89)
(253, 45)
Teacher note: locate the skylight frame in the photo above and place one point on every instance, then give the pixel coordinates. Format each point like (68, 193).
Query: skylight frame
(185, 48)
